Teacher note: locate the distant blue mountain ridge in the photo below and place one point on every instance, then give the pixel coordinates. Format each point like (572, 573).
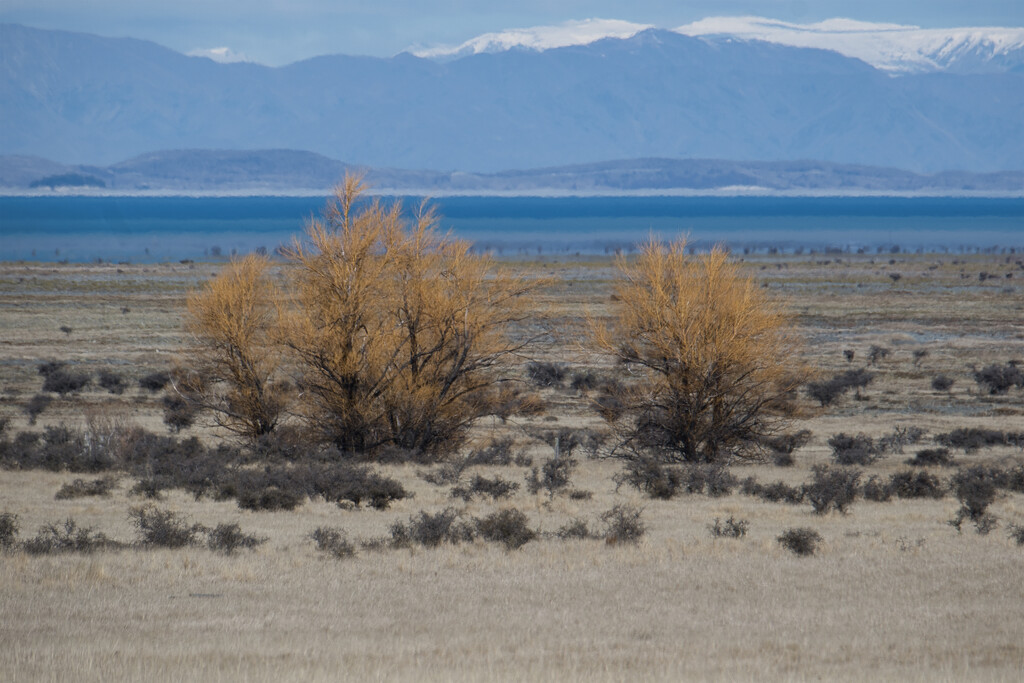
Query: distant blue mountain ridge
(75, 98)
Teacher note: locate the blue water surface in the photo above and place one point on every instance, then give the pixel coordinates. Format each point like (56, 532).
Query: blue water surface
(175, 228)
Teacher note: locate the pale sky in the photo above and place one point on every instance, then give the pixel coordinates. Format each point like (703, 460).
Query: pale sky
(277, 32)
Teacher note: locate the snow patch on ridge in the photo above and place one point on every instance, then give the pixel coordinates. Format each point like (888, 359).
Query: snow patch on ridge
(581, 32)
(891, 47)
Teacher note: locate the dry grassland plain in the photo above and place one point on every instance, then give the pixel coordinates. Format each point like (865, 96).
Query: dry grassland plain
(893, 592)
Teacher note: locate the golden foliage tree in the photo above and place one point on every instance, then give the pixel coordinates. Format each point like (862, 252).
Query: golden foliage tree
(233, 319)
(714, 357)
(398, 331)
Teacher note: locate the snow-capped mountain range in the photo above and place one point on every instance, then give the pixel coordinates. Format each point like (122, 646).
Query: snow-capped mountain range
(895, 48)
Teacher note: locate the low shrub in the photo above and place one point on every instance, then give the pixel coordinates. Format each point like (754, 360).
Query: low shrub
(36, 405)
(495, 488)
(714, 480)
(623, 524)
(876, 490)
(1016, 532)
(270, 499)
(333, 542)
(227, 538)
(575, 529)
(500, 451)
(919, 484)
(932, 457)
(731, 528)
(853, 450)
(942, 383)
(584, 381)
(553, 476)
(877, 353)
(547, 374)
(8, 530)
(976, 489)
(651, 477)
(163, 528)
(179, 413)
(900, 437)
(64, 381)
(431, 530)
(112, 382)
(780, 492)
(782, 446)
(67, 538)
(801, 541)
(832, 489)
(999, 379)
(155, 381)
(80, 488)
(510, 527)
(972, 439)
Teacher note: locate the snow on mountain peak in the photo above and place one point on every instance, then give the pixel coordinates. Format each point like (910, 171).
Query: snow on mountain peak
(538, 38)
(891, 47)
(896, 48)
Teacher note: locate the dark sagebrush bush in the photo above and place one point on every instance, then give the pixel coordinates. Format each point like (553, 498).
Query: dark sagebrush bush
(544, 374)
(67, 537)
(825, 393)
(713, 479)
(333, 542)
(47, 368)
(999, 379)
(776, 492)
(832, 489)
(8, 530)
(179, 413)
(574, 529)
(510, 527)
(782, 446)
(64, 381)
(481, 486)
(942, 383)
(801, 541)
(431, 530)
(553, 476)
(651, 477)
(155, 381)
(112, 381)
(976, 489)
(58, 448)
(623, 524)
(899, 438)
(163, 528)
(499, 451)
(877, 353)
(972, 439)
(227, 538)
(730, 528)
(1016, 532)
(36, 405)
(853, 450)
(80, 488)
(932, 457)
(916, 484)
(876, 490)
(584, 381)
(270, 498)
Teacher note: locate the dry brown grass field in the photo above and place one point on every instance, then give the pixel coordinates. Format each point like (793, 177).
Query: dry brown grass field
(893, 592)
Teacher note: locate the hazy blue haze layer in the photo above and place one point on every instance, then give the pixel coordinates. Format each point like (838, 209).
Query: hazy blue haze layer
(174, 228)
